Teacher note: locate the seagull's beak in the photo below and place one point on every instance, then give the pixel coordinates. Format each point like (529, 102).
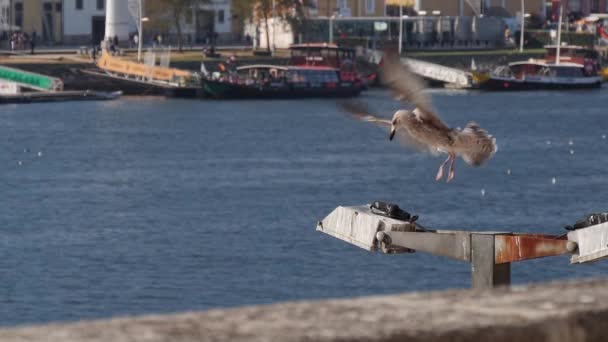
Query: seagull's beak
(392, 135)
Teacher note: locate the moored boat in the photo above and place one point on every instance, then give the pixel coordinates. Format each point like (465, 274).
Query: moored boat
(273, 81)
(539, 74)
(563, 67)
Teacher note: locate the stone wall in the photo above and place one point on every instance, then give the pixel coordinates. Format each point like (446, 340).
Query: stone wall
(556, 312)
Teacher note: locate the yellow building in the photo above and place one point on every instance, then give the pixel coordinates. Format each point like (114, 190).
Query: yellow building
(42, 17)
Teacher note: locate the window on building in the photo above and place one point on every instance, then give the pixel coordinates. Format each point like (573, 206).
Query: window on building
(58, 7)
(341, 3)
(370, 6)
(188, 17)
(220, 16)
(19, 18)
(47, 7)
(574, 5)
(79, 4)
(100, 4)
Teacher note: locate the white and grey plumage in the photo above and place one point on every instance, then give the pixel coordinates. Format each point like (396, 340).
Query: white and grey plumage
(422, 128)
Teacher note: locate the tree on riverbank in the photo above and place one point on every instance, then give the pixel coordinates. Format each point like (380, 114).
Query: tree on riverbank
(260, 11)
(174, 11)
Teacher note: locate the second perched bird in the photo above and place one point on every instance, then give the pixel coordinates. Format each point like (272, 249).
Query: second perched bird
(422, 128)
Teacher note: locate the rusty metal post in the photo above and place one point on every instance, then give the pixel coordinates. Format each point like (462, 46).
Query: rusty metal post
(485, 272)
(490, 253)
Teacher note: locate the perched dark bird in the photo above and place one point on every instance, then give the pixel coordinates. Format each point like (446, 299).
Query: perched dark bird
(422, 128)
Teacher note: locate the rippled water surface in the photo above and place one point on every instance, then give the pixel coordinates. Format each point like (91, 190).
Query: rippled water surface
(154, 205)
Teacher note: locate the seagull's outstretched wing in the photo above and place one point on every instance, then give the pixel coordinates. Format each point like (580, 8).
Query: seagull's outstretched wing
(361, 111)
(409, 87)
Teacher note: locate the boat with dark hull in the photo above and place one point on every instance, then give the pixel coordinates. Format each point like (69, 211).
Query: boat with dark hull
(276, 82)
(564, 67)
(542, 75)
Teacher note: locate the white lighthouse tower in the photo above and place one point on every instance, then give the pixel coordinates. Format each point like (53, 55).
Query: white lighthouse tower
(117, 19)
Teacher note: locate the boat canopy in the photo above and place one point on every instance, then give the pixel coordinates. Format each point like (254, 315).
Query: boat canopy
(571, 47)
(261, 66)
(321, 54)
(542, 63)
(572, 53)
(315, 46)
(282, 67)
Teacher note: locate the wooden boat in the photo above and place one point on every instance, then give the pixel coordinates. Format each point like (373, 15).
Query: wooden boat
(273, 81)
(151, 79)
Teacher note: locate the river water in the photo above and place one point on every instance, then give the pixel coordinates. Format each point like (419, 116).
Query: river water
(151, 205)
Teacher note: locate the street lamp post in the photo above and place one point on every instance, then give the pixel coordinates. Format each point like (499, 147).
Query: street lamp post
(274, 26)
(521, 30)
(140, 29)
(559, 35)
(331, 29)
(400, 25)
(11, 22)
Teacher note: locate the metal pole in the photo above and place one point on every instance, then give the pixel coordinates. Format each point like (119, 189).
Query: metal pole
(331, 30)
(400, 25)
(140, 29)
(274, 26)
(521, 35)
(559, 35)
(485, 272)
(11, 19)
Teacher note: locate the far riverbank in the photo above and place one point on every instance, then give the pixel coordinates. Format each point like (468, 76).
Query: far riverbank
(69, 67)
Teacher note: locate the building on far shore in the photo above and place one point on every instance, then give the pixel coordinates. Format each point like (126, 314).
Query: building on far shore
(60, 21)
(349, 8)
(4, 13)
(542, 8)
(86, 21)
(43, 17)
(468, 8)
(199, 24)
(83, 21)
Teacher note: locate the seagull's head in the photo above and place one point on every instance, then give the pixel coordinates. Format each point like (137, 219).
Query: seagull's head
(397, 119)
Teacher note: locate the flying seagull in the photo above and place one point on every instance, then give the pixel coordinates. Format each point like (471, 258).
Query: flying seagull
(422, 128)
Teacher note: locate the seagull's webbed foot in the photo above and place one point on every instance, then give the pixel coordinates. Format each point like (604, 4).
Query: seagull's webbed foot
(451, 172)
(440, 171)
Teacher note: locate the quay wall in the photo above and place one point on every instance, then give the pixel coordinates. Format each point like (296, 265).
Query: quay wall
(555, 312)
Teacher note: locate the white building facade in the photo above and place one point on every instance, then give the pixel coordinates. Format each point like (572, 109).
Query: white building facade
(85, 21)
(4, 13)
(280, 35)
(206, 19)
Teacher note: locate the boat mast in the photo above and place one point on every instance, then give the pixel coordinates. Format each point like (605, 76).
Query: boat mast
(559, 34)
